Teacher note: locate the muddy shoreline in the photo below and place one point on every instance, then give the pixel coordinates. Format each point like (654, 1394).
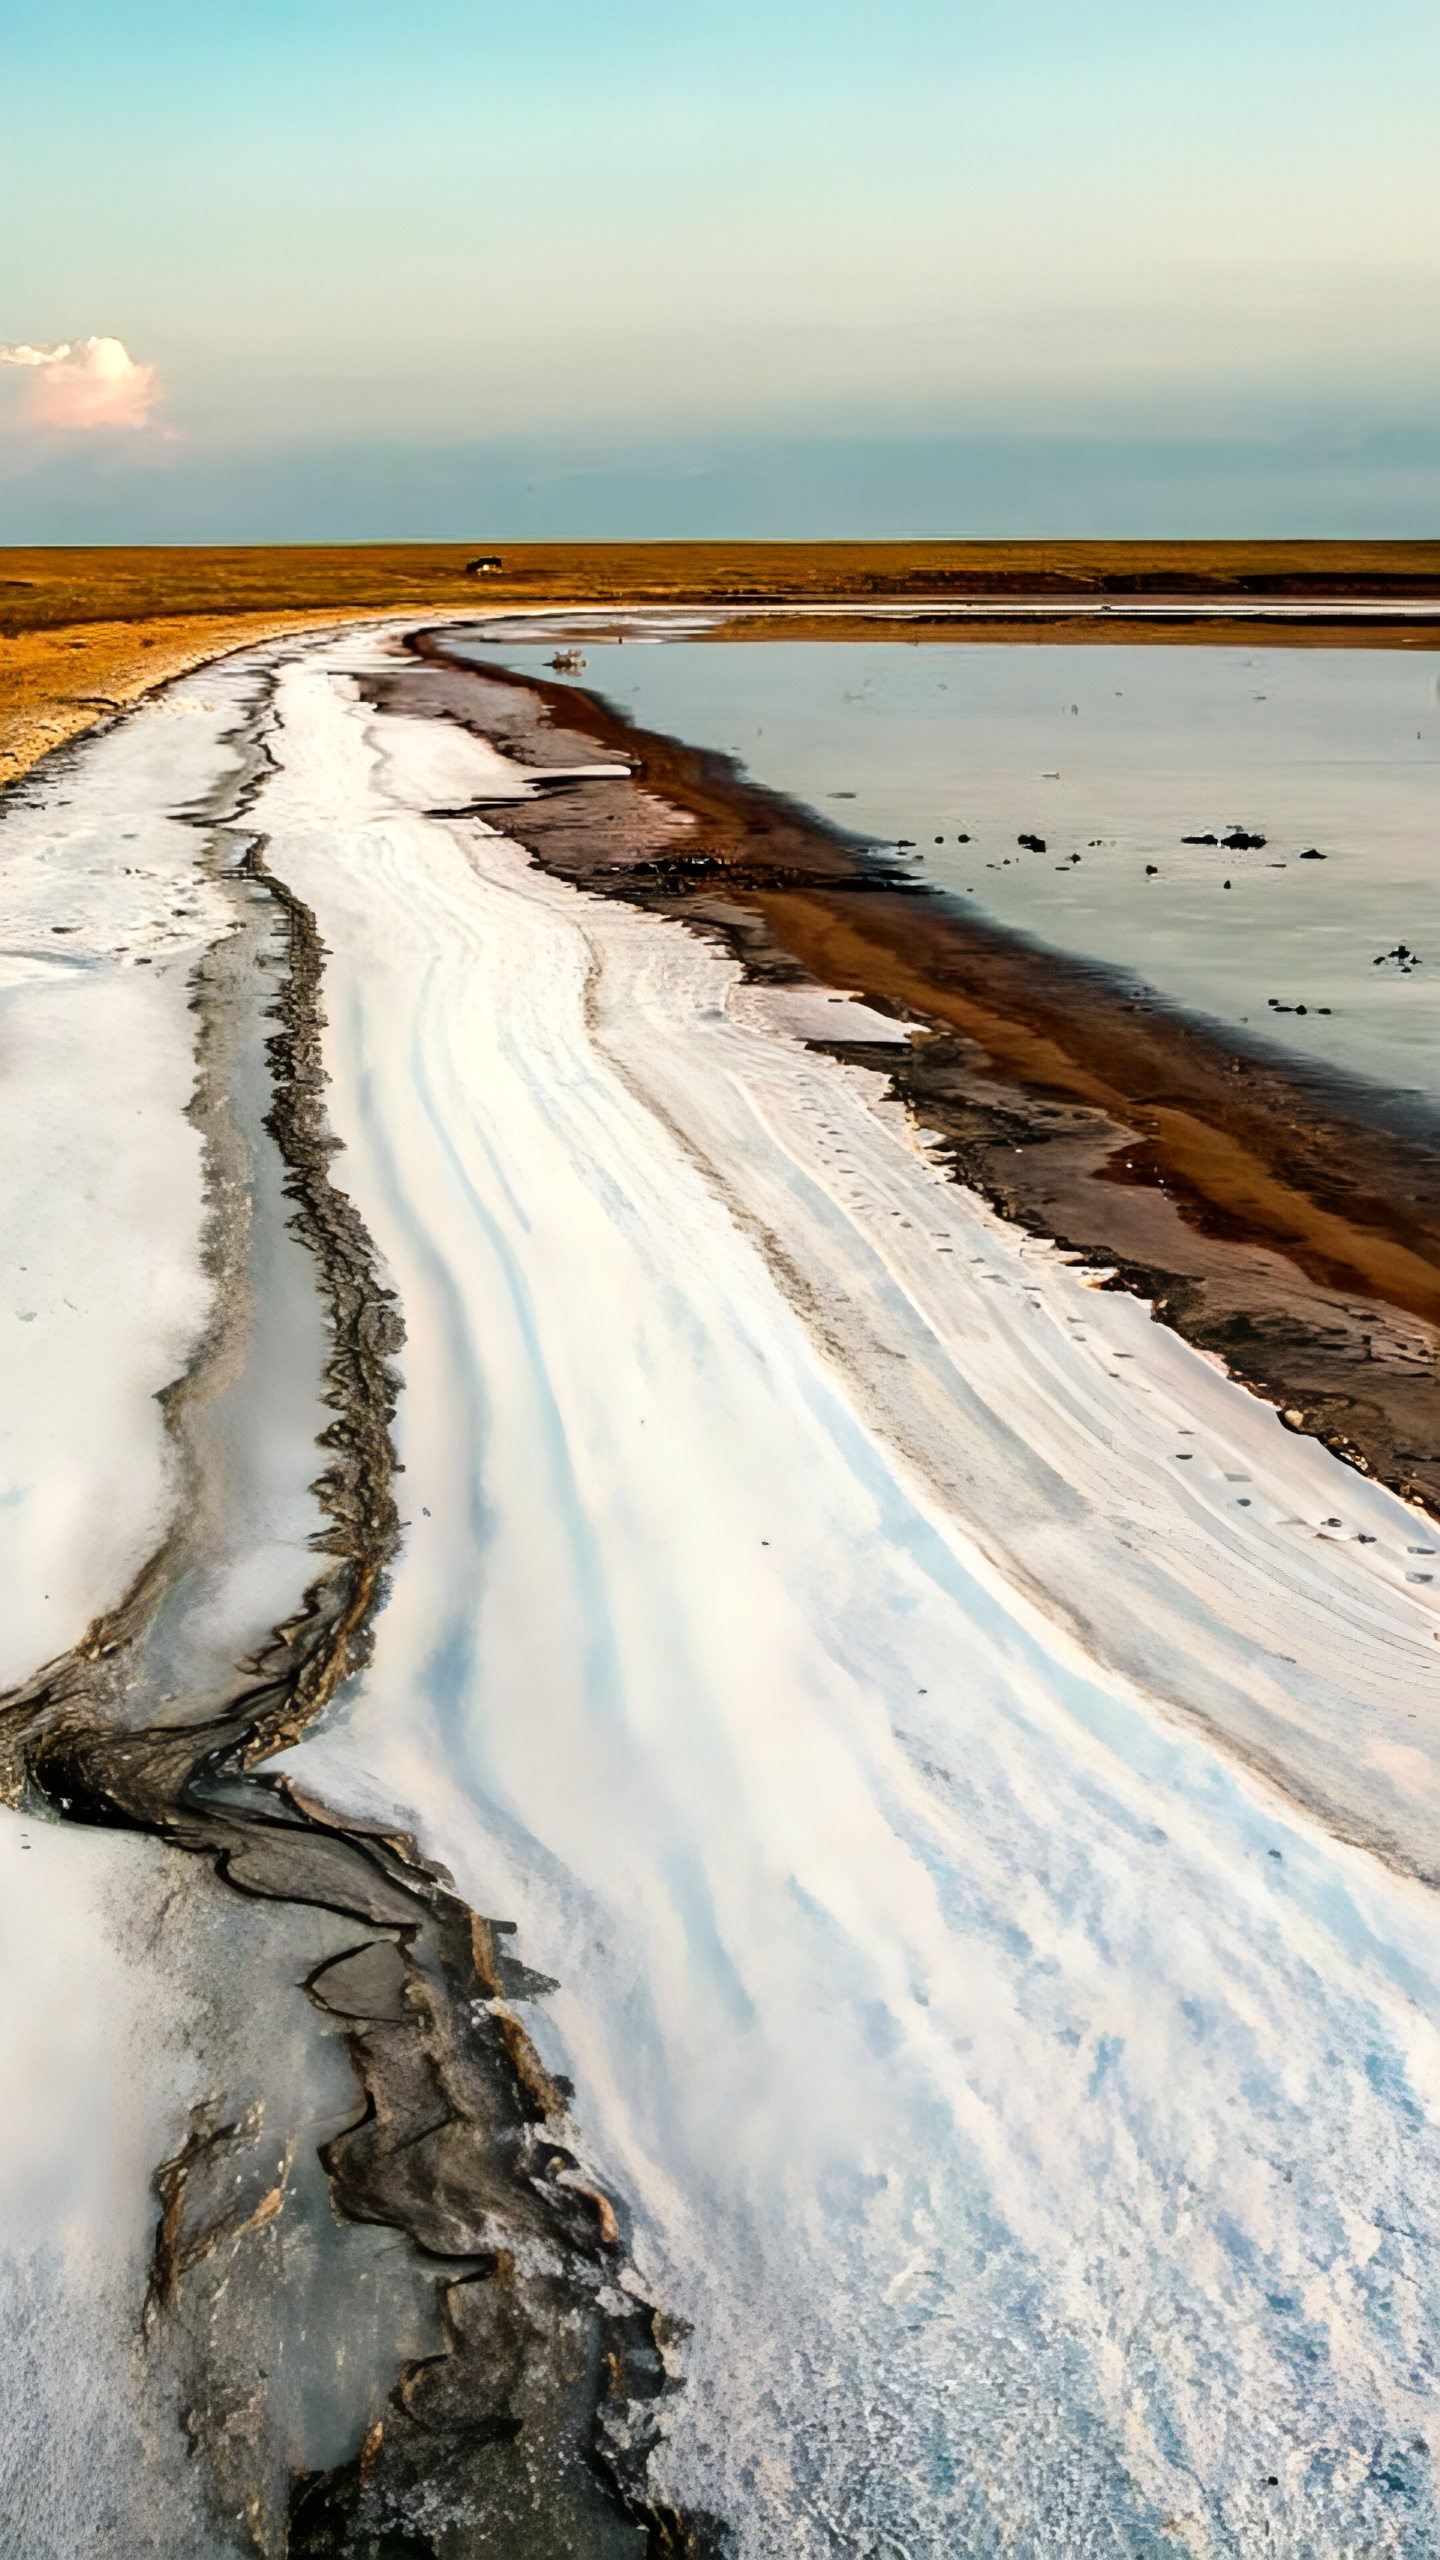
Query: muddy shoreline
(1285, 1219)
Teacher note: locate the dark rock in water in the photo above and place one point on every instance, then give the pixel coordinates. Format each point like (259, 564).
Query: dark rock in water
(1237, 841)
(962, 839)
(1199, 839)
(1312, 853)
(1032, 844)
(1152, 870)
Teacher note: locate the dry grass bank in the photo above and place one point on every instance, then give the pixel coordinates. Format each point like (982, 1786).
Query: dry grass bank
(84, 632)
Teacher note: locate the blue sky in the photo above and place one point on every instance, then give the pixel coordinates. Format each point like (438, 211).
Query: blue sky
(1024, 267)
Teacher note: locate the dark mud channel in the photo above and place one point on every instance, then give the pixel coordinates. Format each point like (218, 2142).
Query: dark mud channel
(1283, 1218)
(527, 2434)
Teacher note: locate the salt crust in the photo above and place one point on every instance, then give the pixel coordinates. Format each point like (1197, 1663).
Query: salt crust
(811, 1594)
(814, 1600)
(102, 1296)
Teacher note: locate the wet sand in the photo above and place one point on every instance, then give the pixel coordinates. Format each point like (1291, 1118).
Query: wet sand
(1285, 1219)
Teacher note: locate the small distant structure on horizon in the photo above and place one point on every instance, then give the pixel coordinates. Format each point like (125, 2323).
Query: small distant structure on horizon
(486, 567)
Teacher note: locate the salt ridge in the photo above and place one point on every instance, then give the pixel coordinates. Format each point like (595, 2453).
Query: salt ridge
(798, 1633)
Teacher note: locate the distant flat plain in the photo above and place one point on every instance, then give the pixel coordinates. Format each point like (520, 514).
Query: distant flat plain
(85, 632)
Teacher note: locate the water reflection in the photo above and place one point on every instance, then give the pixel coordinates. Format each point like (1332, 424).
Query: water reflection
(1085, 795)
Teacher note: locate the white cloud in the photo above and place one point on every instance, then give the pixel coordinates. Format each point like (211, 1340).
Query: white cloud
(85, 383)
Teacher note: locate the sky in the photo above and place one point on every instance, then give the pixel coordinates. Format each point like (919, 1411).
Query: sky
(339, 269)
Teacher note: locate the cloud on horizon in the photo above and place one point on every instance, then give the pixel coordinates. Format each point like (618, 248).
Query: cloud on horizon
(84, 384)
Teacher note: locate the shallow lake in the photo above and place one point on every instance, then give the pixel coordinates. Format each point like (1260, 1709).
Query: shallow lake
(1116, 755)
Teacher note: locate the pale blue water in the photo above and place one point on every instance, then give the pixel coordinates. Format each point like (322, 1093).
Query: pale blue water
(1116, 754)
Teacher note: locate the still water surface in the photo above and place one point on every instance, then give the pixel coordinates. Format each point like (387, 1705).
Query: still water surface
(1116, 755)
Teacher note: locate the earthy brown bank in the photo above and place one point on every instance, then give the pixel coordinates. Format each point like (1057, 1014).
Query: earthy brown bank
(85, 631)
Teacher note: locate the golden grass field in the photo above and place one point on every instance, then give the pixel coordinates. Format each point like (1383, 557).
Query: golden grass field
(85, 632)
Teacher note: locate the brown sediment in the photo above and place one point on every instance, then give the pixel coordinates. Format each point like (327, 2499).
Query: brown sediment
(532, 2430)
(86, 631)
(1086, 626)
(1286, 1219)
